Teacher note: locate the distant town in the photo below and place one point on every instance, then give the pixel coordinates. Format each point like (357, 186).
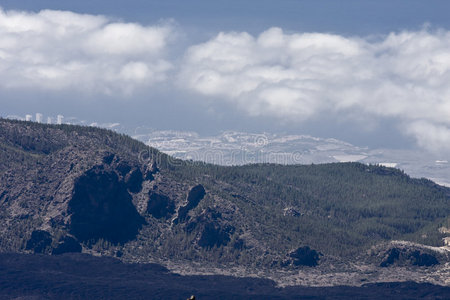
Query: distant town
(39, 118)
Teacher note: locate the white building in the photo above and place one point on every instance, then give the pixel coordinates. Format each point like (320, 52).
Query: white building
(49, 120)
(59, 119)
(39, 117)
(28, 118)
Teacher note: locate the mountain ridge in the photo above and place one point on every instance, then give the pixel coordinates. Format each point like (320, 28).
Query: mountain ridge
(266, 217)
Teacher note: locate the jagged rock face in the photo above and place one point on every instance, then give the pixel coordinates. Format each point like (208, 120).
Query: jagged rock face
(67, 245)
(196, 194)
(403, 256)
(160, 206)
(305, 256)
(40, 241)
(102, 208)
(134, 180)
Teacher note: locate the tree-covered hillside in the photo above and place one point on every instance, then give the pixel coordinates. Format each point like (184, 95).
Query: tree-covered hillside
(334, 206)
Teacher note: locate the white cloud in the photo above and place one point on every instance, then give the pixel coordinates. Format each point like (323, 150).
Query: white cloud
(404, 76)
(433, 137)
(61, 50)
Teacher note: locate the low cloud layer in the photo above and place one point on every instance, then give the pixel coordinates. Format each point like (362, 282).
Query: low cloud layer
(403, 76)
(60, 50)
(296, 77)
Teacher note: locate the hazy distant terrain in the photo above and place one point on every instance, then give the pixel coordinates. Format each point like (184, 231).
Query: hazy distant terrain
(237, 148)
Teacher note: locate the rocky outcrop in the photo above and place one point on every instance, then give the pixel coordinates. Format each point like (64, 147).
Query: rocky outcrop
(305, 256)
(160, 206)
(102, 208)
(423, 259)
(405, 256)
(195, 195)
(67, 245)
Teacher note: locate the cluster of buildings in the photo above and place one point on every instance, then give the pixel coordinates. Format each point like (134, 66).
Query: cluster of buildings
(40, 119)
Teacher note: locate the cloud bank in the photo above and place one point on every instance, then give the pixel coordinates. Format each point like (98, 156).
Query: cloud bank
(60, 50)
(404, 76)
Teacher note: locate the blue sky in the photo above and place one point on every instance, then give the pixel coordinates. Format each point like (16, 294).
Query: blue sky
(360, 17)
(369, 72)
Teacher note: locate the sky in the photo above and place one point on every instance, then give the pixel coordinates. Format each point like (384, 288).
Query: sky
(372, 73)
